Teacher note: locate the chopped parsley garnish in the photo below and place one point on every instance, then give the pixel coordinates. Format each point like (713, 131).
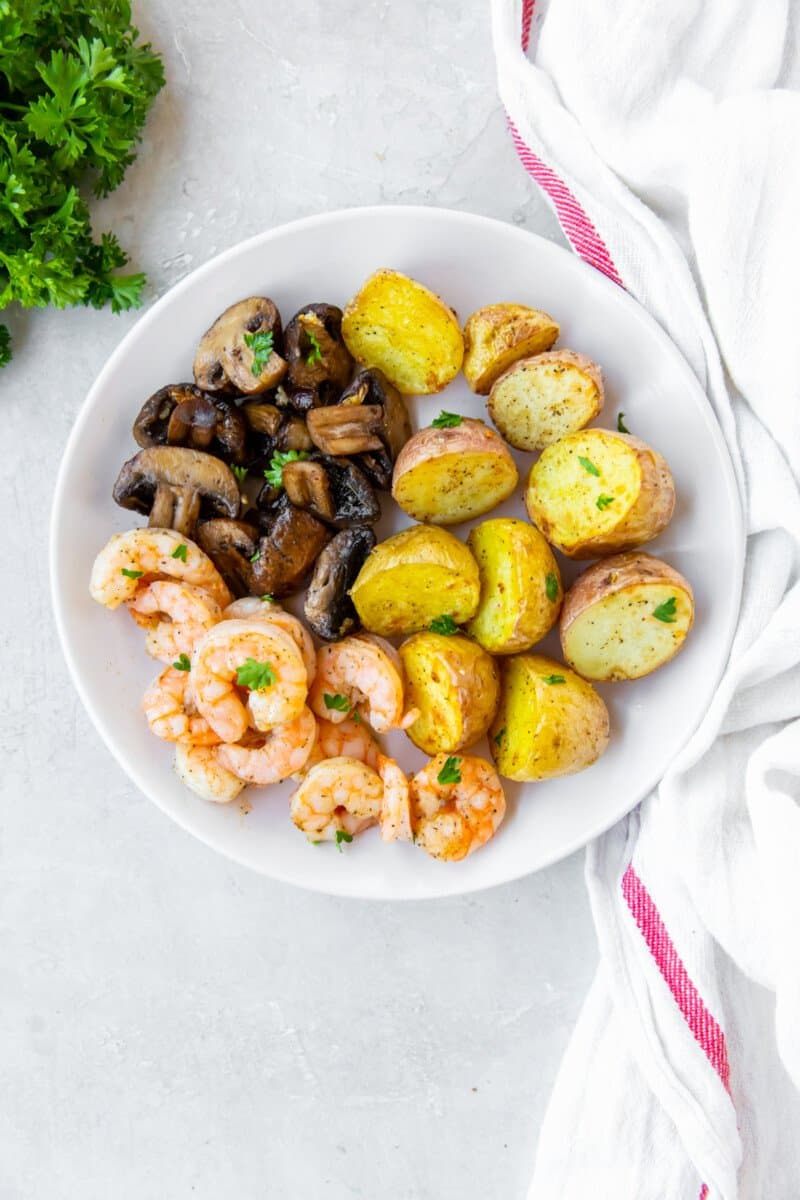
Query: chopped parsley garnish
(274, 472)
(551, 587)
(337, 703)
(341, 836)
(451, 771)
(356, 715)
(604, 502)
(239, 472)
(588, 465)
(261, 343)
(446, 420)
(268, 598)
(444, 624)
(315, 354)
(131, 574)
(621, 427)
(666, 611)
(498, 737)
(257, 676)
(180, 552)
(183, 663)
(255, 557)
(554, 679)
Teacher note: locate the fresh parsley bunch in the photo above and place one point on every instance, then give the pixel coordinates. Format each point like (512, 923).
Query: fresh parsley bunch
(75, 89)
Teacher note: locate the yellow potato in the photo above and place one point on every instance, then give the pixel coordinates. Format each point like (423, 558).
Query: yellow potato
(455, 685)
(541, 399)
(598, 492)
(410, 579)
(625, 617)
(521, 590)
(499, 334)
(450, 475)
(549, 721)
(400, 326)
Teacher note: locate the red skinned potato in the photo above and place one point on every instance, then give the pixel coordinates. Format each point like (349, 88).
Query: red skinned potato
(625, 617)
(444, 476)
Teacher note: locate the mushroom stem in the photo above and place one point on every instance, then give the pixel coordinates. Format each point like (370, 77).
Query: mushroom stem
(163, 506)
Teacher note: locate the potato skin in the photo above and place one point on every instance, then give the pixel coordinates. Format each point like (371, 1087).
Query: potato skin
(400, 326)
(542, 730)
(540, 399)
(498, 335)
(413, 577)
(641, 516)
(607, 626)
(446, 476)
(521, 589)
(455, 685)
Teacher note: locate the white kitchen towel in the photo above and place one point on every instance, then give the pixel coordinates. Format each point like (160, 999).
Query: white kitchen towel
(667, 138)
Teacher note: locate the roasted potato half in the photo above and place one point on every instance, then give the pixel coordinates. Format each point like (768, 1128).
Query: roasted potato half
(455, 685)
(521, 590)
(498, 335)
(401, 327)
(541, 399)
(414, 577)
(549, 721)
(625, 617)
(598, 492)
(450, 475)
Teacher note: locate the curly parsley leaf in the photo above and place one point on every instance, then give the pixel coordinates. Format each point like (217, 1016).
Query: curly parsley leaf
(444, 624)
(451, 771)
(551, 587)
(257, 676)
(5, 346)
(76, 89)
(498, 737)
(554, 679)
(261, 343)
(588, 466)
(274, 472)
(315, 353)
(604, 502)
(446, 420)
(666, 612)
(621, 427)
(183, 663)
(239, 472)
(131, 574)
(180, 552)
(337, 703)
(341, 836)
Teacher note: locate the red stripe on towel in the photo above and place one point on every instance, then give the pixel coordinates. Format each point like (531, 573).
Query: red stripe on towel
(576, 225)
(703, 1192)
(527, 17)
(704, 1027)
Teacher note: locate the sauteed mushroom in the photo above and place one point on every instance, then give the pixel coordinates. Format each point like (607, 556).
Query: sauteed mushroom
(182, 415)
(173, 484)
(319, 361)
(371, 419)
(287, 550)
(241, 352)
(333, 489)
(231, 546)
(328, 608)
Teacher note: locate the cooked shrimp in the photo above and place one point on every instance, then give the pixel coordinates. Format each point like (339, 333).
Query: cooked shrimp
(171, 714)
(340, 795)
(270, 757)
(451, 820)
(258, 658)
(366, 671)
(175, 615)
(148, 554)
(395, 815)
(253, 608)
(199, 769)
(349, 739)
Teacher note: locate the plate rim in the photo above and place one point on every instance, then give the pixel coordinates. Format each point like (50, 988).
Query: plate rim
(151, 314)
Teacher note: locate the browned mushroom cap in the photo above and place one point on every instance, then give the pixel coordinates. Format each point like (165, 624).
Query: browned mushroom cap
(241, 352)
(181, 415)
(172, 484)
(328, 608)
(150, 426)
(372, 387)
(346, 429)
(333, 489)
(287, 551)
(293, 434)
(319, 361)
(231, 546)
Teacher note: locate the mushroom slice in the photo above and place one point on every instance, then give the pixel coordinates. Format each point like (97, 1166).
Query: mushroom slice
(241, 352)
(293, 434)
(150, 426)
(231, 546)
(319, 361)
(332, 489)
(287, 551)
(378, 468)
(328, 608)
(372, 387)
(172, 483)
(346, 429)
(209, 423)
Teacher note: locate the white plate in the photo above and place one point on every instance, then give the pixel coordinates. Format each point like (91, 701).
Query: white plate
(470, 261)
